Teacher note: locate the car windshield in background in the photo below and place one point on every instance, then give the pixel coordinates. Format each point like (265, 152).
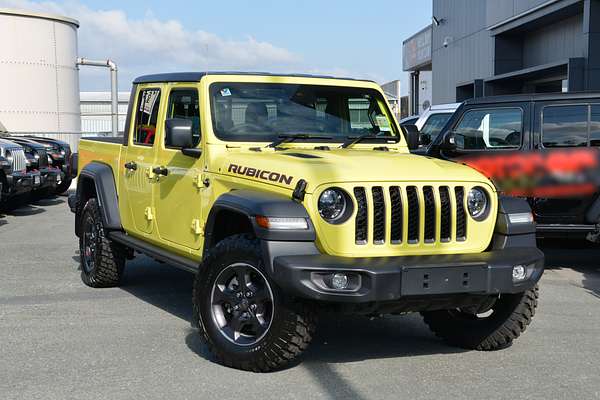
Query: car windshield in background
(434, 125)
(263, 112)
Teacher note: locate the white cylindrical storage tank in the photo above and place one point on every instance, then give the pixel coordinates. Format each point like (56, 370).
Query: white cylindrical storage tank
(38, 75)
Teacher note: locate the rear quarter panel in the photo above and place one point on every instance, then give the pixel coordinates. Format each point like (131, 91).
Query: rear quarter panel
(104, 152)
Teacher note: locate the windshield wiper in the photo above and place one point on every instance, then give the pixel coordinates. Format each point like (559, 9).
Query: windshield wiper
(352, 140)
(291, 137)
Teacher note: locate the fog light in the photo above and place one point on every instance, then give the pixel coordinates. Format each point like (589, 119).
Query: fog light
(519, 273)
(339, 281)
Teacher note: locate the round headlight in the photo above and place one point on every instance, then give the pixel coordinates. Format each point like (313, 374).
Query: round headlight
(332, 205)
(477, 203)
(9, 156)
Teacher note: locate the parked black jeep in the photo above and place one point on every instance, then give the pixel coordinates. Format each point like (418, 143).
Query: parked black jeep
(60, 153)
(15, 181)
(38, 161)
(535, 123)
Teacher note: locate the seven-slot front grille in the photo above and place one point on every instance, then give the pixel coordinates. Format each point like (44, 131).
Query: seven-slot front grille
(410, 214)
(19, 161)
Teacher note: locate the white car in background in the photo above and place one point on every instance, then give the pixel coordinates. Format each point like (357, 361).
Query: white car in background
(431, 122)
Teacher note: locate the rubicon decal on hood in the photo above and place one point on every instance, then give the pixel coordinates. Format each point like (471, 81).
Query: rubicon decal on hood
(260, 174)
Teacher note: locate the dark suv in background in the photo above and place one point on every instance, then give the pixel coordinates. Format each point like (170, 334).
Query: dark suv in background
(530, 123)
(39, 162)
(60, 154)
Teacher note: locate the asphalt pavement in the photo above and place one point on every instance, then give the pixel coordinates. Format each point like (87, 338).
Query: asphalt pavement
(62, 340)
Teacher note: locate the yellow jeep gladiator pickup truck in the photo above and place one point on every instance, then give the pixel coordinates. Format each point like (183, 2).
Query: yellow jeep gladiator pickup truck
(285, 194)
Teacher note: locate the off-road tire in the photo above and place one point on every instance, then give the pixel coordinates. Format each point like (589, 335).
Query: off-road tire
(292, 324)
(109, 258)
(511, 316)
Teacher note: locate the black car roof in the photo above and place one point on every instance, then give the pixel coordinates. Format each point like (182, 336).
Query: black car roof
(196, 76)
(533, 97)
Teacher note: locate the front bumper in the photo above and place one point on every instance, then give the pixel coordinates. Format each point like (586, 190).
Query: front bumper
(385, 279)
(19, 183)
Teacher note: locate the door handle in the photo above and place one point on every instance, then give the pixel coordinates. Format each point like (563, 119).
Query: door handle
(131, 165)
(160, 171)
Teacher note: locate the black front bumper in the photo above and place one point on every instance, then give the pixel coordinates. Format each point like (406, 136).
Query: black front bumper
(385, 279)
(19, 183)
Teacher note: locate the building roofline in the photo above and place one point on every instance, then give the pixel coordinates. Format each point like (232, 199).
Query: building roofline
(33, 14)
(196, 76)
(428, 27)
(533, 97)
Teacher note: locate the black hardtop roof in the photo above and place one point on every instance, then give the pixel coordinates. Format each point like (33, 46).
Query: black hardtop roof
(533, 97)
(196, 76)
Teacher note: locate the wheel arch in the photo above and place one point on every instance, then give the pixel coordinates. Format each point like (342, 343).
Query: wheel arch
(97, 180)
(236, 211)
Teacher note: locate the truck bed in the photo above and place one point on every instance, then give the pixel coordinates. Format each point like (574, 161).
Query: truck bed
(101, 149)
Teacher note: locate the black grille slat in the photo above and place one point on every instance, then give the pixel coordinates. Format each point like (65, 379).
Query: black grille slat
(396, 228)
(429, 199)
(413, 214)
(446, 215)
(362, 219)
(378, 215)
(43, 160)
(461, 216)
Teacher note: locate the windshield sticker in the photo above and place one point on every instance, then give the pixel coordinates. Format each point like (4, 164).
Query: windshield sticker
(225, 92)
(383, 123)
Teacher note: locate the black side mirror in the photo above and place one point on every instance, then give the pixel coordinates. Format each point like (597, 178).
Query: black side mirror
(412, 136)
(449, 142)
(180, 135)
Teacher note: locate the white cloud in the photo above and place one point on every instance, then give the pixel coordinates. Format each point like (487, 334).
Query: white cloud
(149, 44)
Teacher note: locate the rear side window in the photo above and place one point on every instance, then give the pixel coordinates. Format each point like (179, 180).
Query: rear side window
(146, 117)
(183, 103)
(496, 129)
(565, 126)
(595, 126)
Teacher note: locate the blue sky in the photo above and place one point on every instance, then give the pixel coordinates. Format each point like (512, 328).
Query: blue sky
(360, 39)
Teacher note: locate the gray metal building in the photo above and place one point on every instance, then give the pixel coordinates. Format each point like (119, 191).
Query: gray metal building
(493, 47)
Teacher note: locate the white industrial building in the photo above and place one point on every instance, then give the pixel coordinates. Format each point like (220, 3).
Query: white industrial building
(96, 112)
(39, 75)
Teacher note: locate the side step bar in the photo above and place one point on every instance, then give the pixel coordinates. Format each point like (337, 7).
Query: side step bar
(155, 252)
(566, 228)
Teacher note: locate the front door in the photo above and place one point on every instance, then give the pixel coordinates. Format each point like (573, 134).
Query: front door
(139, 158)
(178, 194)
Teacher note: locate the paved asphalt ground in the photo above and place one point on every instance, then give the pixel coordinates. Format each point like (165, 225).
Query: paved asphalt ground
(62, 340)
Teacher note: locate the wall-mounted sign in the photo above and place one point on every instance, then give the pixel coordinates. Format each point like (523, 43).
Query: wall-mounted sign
(416, 51)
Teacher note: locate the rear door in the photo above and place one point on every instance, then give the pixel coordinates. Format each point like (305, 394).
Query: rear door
(137, 161)
(565, 125)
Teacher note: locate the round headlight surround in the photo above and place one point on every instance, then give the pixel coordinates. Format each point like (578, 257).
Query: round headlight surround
(340, 205)
(481, 204)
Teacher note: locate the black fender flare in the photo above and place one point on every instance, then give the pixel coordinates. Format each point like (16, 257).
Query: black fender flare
(509, 234)
(103, 179)
(251, 203)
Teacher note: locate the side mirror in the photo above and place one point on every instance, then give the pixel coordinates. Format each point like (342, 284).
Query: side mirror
(449, 142)
(412, 136)
(180, 135)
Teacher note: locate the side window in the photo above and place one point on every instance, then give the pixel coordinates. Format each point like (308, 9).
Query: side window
(595, 126)
(146, 117)
(490, 129)
(565, 126)
(434, 125)
(183, 103)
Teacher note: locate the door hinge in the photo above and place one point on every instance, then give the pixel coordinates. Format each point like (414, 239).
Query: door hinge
(149, 213)
(201, 181)
(197, 227)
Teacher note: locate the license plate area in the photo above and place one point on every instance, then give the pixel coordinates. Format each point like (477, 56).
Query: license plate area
(443, 280)
(37, 180)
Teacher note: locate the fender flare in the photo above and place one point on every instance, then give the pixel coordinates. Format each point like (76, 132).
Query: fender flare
(251, 203)
(106, 193)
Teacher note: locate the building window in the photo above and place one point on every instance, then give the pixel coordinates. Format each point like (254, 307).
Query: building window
(565, 126)
(496, 129)
(146, 117)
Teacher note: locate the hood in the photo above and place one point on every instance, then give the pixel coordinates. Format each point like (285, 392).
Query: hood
(286, 167)
(8, 143)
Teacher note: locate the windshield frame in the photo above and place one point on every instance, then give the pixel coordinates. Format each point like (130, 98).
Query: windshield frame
(366, 86)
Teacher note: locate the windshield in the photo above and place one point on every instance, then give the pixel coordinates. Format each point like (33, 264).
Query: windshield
(264, 111)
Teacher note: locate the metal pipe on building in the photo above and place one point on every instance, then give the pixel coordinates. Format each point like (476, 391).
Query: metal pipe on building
(114, 89)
